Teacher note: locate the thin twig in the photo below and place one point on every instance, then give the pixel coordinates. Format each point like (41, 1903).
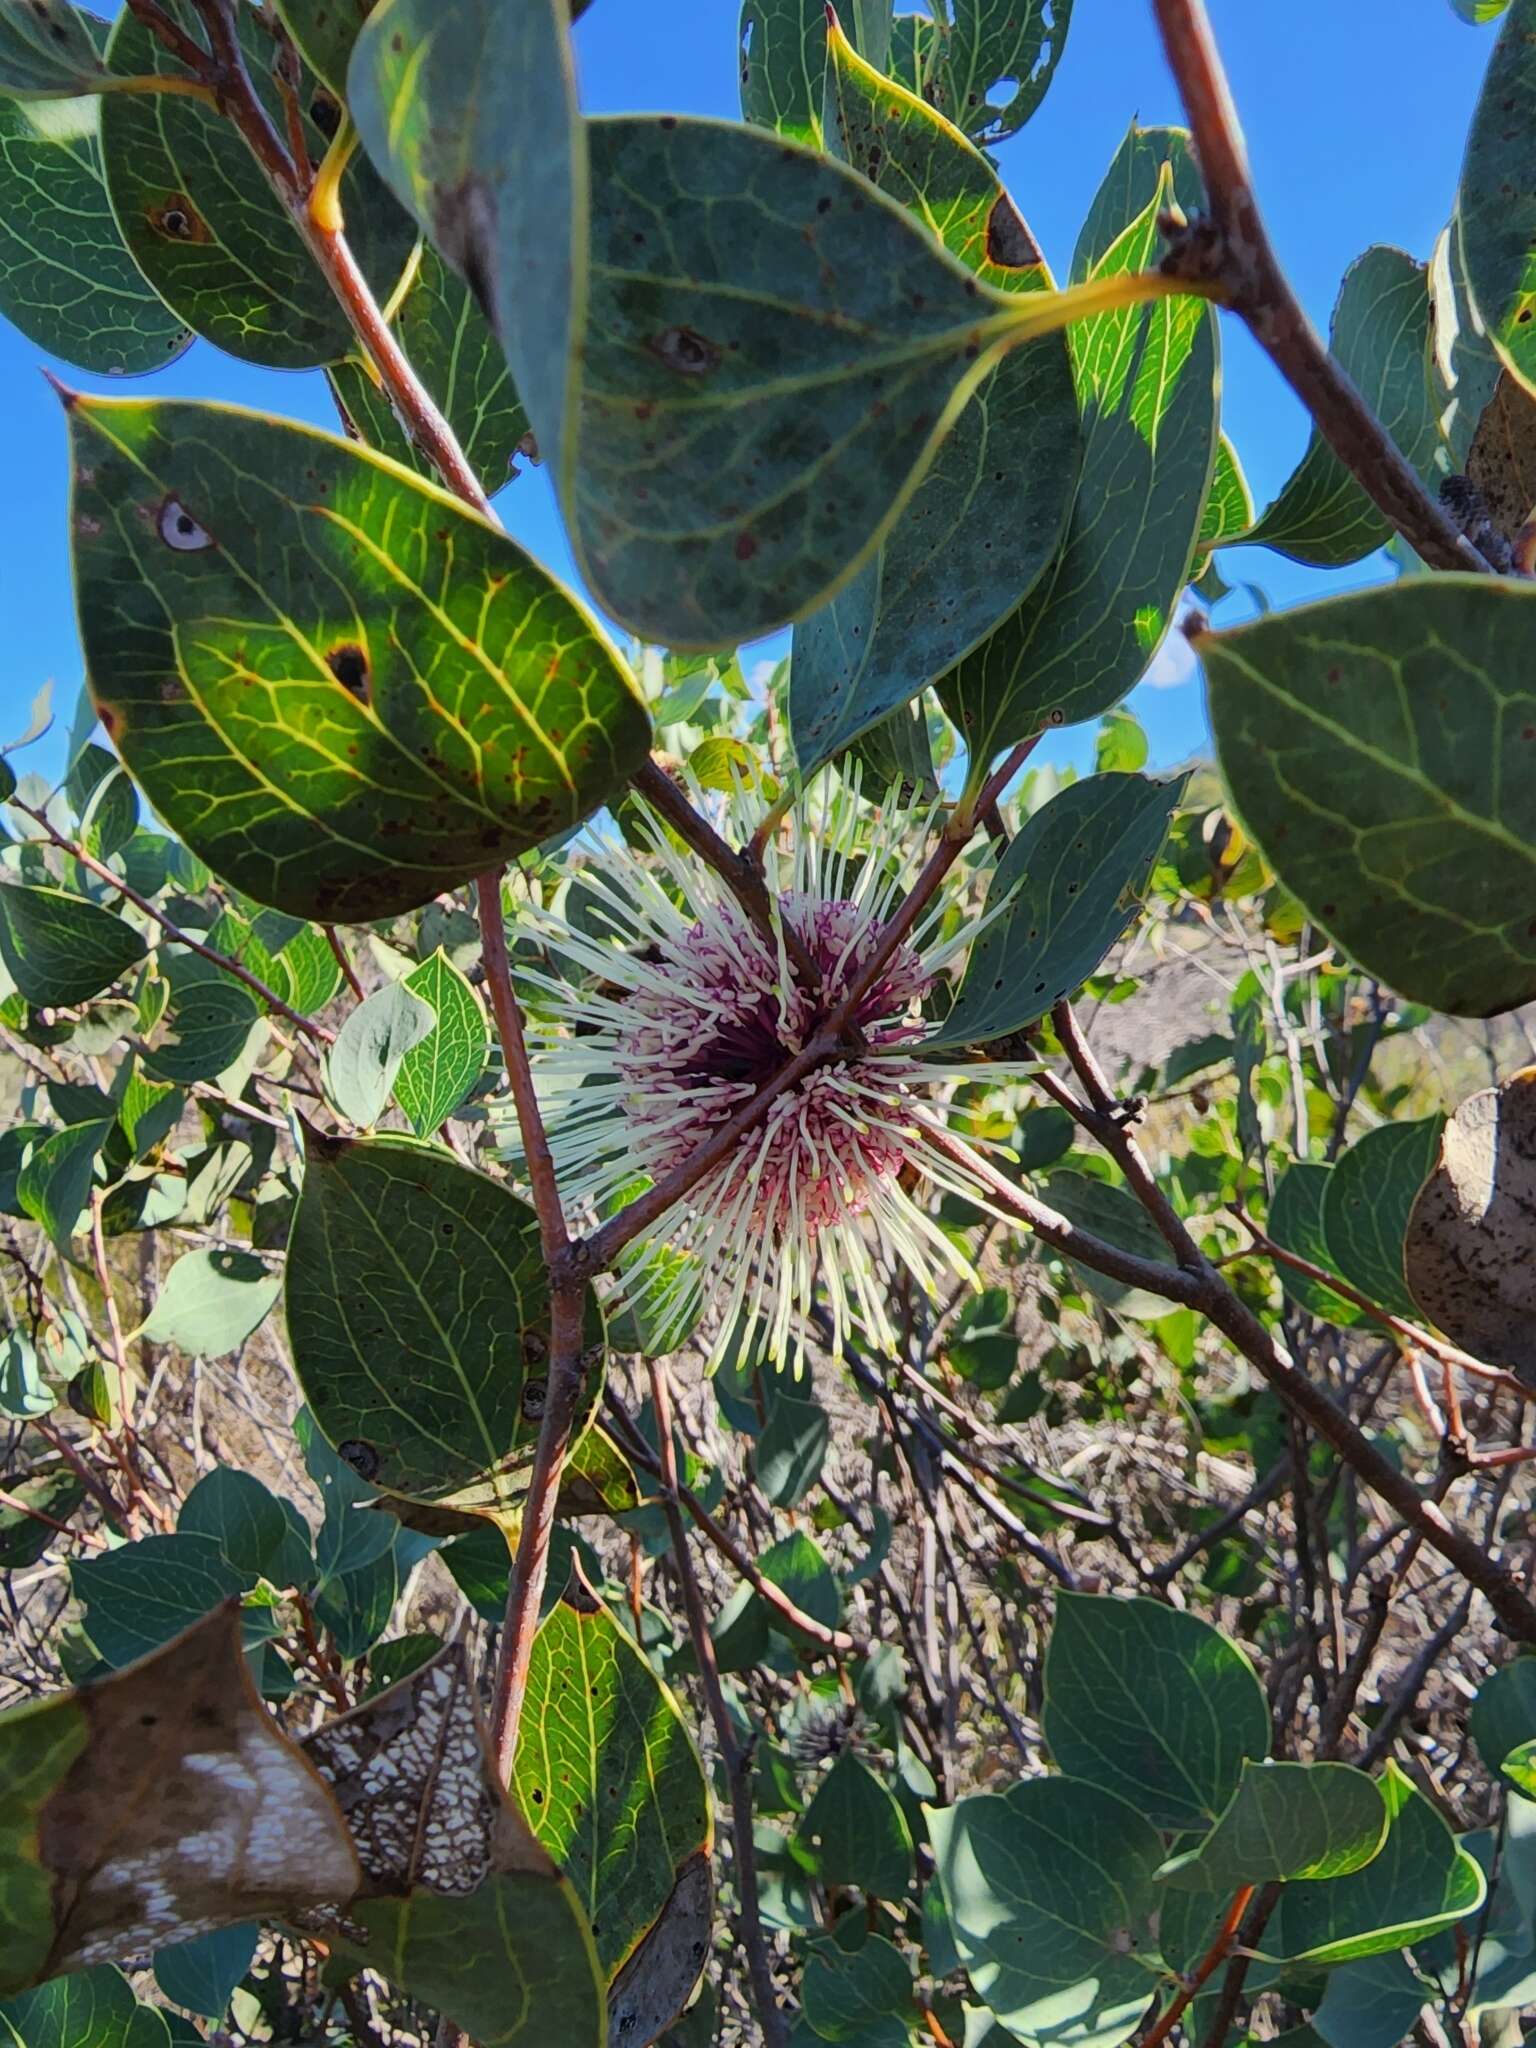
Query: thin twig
(838, 1641)
(737, 1761)
(1232, 250)
(172, 930)
(739, 871)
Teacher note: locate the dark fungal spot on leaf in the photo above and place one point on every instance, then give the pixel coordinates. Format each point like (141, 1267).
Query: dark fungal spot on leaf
(361, 1455)
(687, 352)
(349, 665)
(533, 1400)
(325, 112)
(1010, 245)
(179, 220)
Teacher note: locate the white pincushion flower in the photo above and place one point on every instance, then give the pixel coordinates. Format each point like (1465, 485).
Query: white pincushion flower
(690, 1009)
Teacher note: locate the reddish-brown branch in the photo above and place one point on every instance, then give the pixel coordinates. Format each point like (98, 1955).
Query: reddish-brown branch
(1232, 250)
(1208, 1964)
(530, 1563)
(736, 1760)
(514, 1046)
(1412, 1334)
(837, 1641)
(738, 870)
(1205, 1291)
(339, 955)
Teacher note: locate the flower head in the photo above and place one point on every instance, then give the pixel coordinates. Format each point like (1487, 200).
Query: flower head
(690, 1010)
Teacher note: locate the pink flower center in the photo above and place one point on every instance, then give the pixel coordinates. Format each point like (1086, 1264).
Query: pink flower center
(690, 1064)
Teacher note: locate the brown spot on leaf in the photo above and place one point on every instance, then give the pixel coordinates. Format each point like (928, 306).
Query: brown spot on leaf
(1009, 243)
(179, 220)
(686, 351)
(746, 547)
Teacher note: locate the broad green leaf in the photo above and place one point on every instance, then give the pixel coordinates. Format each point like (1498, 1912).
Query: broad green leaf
(352, 1537)
(897, 752)
(361, 1067)
(854, 1832)
(210, 1302)
(1072, 877)
(1467, 369)
(145, 1803)
(657, 1982)
(438, 1072)
(1114, 1214)
(47, 50)
(988, 65)
(23, 1392)
(345, 691)
(511, 1963)
(1503, 1964)
(1367, 1203)
(205, 227)
(1520, 1769)
(90, 2009)
(1371, 2004)
(789, 1455)
(1410, 837)
(970, 543)
(1121, 746)
(860, 1995)
(1381, 338)
(54, 1489)
(1497, 202)
(418, 1318)
(1152, 1704)
(1503, 1715)
(1296, 1223)
(1147, 384)
(55, 1183)
(497, 178)
(210, 1025)
(1050, 1889)
(454, 351)
(1467, 1247)
(1479, 11)
(783, 45)
(66, 278)
(607, 1773)
(140, 1595)
(324, 32)
(59, 949)
(1420, 1882)
(253, 1529)
(748, 522)
(1228, 505)
(305, 972)
(701, 512)
(201, 1974)
(1286, 1822)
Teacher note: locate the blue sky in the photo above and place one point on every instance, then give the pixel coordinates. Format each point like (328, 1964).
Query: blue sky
(1355, 112)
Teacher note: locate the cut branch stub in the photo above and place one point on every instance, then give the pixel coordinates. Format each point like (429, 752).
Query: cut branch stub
(1469, 1248)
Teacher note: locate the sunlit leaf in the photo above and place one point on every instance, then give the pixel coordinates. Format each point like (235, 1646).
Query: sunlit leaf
(343, 689)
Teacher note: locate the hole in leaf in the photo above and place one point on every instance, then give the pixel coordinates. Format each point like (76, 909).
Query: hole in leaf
(179, 530)
(349, 665)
